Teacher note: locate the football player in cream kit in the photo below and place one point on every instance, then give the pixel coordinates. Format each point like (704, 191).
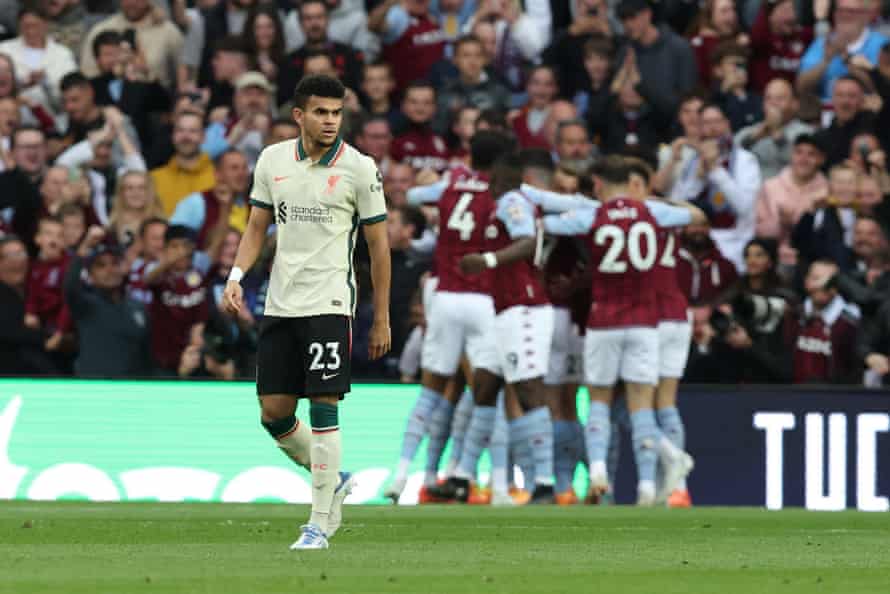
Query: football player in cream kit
(318, 191)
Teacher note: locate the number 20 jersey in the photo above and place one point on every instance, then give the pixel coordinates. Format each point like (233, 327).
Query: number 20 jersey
(465, 209)
(624, 249)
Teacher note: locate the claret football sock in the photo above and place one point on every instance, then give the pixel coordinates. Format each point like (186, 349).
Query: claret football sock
(325, 461)
(477, 439)
(645, 435)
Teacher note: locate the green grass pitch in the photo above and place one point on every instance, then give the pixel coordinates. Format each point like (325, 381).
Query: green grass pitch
(73, 547)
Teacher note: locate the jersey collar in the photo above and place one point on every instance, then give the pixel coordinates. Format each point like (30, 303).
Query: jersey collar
(329, 158)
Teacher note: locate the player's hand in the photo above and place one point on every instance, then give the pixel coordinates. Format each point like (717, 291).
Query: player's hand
(32, 321)
(53, 342)
(738, 338)
(233, 298)
(878, 363)
(472, 264)
(379, 340)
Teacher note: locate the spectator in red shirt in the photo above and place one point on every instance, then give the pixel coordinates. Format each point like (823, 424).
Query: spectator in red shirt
(823, 337)
(44, 306)
(718, 21)
(412, 41)
(777, 44)
(179, 298)
(702, 272)
(419, 146)
(529, 123)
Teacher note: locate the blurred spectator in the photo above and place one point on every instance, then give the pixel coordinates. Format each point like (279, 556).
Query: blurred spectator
(135, 201)
(147, 249)
(675, 158)
(74, 224)
(572, 143)
(211, 213)
(723, 179)
(153, 36)
(718, 23)
(348, 24)
(529, 121)
(40, 62)
(112, 328)
(850, 118)
(880, 79)
(264, 39)
(180, 299)
(703, 273)
(45, 308)
(404, 224)
(786, 197)
(82, 115)
(374, 138)
(659, 62)
(472, 87)
(419, 146)
(867, 283)
(823, 337)
(396, 183)
(30, 112)
(377, 87)
(591, 100)
(412, 41)
(752, 325)
(710, 358)
(778, 42)
(772, 140)
(244, 127)
(462, 130)
(190, 169)
(22, 349)
(869, 160)
(222, 19)
(20, 200)
(567, 53)
(68, 22)
(825, 232)
(827, 58)
(10, 119)
(281, 130)
(346, 60)
(874, 348)
(230, 61)
(730, 68)
(122, 83)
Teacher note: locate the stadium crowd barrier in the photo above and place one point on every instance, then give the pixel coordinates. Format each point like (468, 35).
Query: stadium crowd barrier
(823, 449)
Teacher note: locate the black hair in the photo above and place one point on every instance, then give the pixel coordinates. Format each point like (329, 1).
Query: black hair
(486, 146)
(851, 78)
(231, 43)
(419, 84)
(464, 39)
(495, 118)
(506, 174)
(613, 169)
(537, 158)
(600, 45)
(628, 9)
(105, 38)
(222, 156)
(149, 222)
(74, 79)
(318, 85)
(412, 215)
(179, 232)
(810, 139)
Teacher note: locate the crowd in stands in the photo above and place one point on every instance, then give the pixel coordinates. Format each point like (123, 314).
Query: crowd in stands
(129, 130)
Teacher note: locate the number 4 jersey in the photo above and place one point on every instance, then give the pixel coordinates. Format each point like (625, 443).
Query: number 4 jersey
(624, 245)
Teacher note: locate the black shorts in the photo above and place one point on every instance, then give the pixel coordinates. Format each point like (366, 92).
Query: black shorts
(307, 356)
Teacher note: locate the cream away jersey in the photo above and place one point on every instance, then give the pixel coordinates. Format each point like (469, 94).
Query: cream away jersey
(317, 208)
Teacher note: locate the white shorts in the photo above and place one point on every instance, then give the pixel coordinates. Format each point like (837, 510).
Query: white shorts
(429, 291)
(459, 323)
(673, 348)
(566, 351)
(523, 341)
(630, 354)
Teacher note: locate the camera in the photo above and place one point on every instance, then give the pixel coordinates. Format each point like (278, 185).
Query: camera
(759, 313)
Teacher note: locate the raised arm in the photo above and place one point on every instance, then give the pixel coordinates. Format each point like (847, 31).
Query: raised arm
(553, 201)
(571, 222)
(428, 194)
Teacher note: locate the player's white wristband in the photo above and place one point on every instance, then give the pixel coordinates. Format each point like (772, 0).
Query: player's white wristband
(490, 259)
(236, 274)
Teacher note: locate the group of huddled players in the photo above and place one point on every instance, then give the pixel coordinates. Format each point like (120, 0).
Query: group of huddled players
(522, 321)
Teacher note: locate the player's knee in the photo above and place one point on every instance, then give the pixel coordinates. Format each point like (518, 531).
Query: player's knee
(280, 426)
(273, 408)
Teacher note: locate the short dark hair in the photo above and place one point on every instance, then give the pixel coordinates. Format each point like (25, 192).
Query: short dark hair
(728, 49)
(495, 118)
(613, 169)
(73, 80)
(574, 122)
(371, 119)
(628, 9)
(419, 84)
(318, 85)
(537, 158)
(174, 232)
(486, 146)
(412, 215)
(465, 39)
(283, 122)
(810, 139)
(71, 208)
(851, 78)
(506, 174)
(54, 219)
(599, 45)
(637, 166)
(105, 38)
(231, 43)
(149, 222)
(32, 8)
(24, 128)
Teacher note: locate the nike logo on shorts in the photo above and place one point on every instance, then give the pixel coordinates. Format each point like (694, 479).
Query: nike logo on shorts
(325, 376)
